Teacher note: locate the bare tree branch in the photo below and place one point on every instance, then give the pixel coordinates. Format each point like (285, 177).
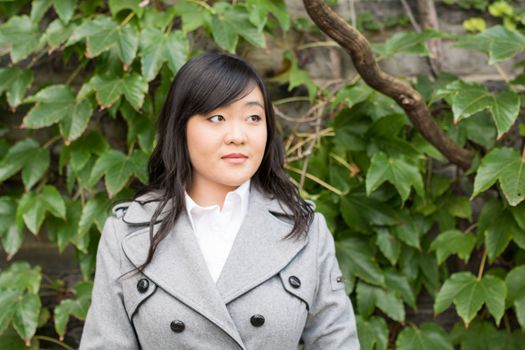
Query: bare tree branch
(410, 15)
(409, 99)
(429, 19)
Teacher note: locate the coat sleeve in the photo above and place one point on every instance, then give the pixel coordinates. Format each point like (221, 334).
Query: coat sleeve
(331, 321)
(107, 325)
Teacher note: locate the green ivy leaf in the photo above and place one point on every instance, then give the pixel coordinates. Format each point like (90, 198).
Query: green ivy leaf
(19, 276)
(518, 212)
(398, 171)
(389, 245)
(110, 88)
(12, 236)
(15, 81)
(499, 227)
(475, 24)
(298, 76)
(500, 9)
(21, 36)
(453, 242)
(73, 125)
(259, 10)
(459, 207)
(410, 230)
(469, 99)
(77, 307)
(34, 169)
(373, 333)
(140, 127)
(498, 42)
(53, 201)
(26, 315)
(65, 9)
(104, 33)
(515, 282)
(469, 294)
(352, 95)
(505, 165)
(193, 15)
(411, 43)
(32, 207)
(66, 230)
(55, 104)
(8, 300)
(372, 297)
(231, 22)
(94, 212)
(52, 105)
(484, 335)
(357, 260)
(87, 260)
(56, 33)
(21, 157)
(361, 212)
(158, 47)
(428, 268)
(39, 9)
(82, 149)
(11, 340)
(118, 168)
(428, 336)
(400, 285)
(116, 6)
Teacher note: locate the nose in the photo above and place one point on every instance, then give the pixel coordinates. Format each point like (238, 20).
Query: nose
(235, 133)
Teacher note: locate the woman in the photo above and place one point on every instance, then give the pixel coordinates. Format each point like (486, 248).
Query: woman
(224, 252)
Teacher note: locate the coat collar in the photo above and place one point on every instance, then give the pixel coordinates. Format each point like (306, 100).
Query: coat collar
(258, 253)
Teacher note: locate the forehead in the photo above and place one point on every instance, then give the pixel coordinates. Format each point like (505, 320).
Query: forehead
(251, 97)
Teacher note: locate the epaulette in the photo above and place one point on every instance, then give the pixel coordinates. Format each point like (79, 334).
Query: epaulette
(120, 209)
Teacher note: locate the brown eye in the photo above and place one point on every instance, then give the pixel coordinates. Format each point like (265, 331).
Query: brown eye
(216, 118)
(255, 118)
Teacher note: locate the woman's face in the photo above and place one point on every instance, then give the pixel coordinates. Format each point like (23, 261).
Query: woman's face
(226, 146)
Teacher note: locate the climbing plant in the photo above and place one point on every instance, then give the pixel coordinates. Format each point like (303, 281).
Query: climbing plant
(409, 224)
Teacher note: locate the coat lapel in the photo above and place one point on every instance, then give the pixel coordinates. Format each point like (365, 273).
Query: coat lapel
(258, 253)
(259, 250)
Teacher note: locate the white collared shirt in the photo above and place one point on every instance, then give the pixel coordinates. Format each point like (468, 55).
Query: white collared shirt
(215, 229)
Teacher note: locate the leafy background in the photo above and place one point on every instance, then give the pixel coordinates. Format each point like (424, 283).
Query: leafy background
(413, 232)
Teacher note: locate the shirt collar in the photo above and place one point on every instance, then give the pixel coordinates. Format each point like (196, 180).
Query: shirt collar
(242, 192)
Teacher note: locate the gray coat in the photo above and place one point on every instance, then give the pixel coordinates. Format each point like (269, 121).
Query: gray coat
(271, 292)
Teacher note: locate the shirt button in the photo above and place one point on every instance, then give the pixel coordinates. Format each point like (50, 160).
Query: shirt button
(143, 285)
(177, 326)
(294, 281)
(257, 320)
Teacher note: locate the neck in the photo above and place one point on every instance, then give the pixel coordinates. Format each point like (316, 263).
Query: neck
(205, 193)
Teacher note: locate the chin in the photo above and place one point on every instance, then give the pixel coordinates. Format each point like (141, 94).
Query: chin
(235, 182)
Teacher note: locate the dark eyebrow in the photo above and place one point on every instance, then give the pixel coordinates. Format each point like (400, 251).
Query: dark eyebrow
(254, 103)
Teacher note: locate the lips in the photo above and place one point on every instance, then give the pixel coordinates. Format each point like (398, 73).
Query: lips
(234, 156)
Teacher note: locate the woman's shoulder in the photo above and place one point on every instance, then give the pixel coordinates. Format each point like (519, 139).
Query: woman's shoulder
(139, 210)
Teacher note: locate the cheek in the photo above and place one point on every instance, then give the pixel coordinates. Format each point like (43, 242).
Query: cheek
(260, 143)
(201, 141)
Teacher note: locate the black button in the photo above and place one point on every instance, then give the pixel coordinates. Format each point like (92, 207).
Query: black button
(143, 285)
(177, 326)
(257, 320)
(294, 281)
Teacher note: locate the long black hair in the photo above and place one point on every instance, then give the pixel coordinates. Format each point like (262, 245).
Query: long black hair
(204, 83)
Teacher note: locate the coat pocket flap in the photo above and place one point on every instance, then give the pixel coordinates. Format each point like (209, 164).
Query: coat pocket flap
(136, 291)
(297, 284)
